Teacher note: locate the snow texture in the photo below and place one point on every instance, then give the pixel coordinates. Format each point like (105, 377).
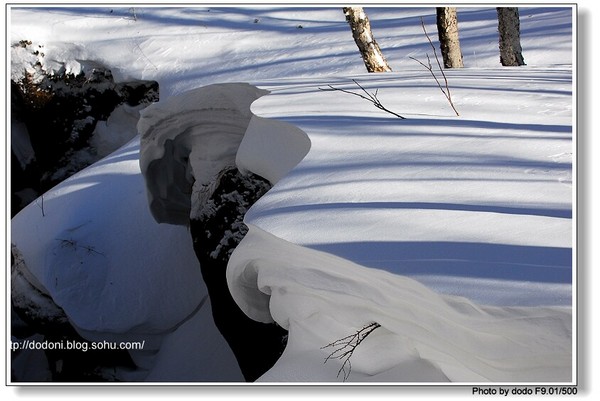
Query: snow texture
(94, 246)
(285, 144)
(453, 233)
(322, 298)
(30, 297)
(186, 141)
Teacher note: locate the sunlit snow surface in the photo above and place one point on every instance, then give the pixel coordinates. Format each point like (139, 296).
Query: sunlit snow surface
(453, 233)
(476, 206)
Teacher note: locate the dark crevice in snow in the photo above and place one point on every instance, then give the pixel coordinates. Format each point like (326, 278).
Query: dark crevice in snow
(217, 229)
(54, 117)
(189, 152)
(186, 140)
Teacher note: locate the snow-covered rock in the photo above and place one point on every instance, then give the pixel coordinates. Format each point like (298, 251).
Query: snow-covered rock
(217, 230)
(32, 300)
(64, 119)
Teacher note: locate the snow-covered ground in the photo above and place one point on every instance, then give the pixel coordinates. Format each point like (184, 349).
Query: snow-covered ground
(455, 234)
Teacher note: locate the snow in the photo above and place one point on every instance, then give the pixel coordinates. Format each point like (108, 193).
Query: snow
(186, 141)
(474, 197)
(453, 233)
(69, 248)
(285, 144)
(94, 246)
(326, 298)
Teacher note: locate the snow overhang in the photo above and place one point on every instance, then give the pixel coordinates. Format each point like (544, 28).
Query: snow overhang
(187, 140)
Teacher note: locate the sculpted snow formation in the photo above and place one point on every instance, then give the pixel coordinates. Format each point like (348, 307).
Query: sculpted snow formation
(206, 159)
(188, 139)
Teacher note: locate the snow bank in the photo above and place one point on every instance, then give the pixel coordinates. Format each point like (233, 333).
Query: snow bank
(427, 198)
(454, 234)
(477, 206)
(285, 145)
(93, 246)
(320, 298)
(187, 140)
(72, 239)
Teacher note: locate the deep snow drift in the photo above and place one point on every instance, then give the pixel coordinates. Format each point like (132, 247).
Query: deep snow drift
(98, 252)
(453, 233)
(473, 206)
(423, 337)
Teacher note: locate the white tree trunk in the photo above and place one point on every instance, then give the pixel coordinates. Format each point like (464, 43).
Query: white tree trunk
(368, 47)
(447, 25)
(510, 36)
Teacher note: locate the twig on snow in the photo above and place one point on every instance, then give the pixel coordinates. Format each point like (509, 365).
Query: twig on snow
(71, 243)
(371, 97)
(430, 69)
(345, 347)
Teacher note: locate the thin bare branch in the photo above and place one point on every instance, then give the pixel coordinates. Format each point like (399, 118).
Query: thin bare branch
(430, 69)
(345, 347)
(446, 92)
(70, 243)
(369, 97)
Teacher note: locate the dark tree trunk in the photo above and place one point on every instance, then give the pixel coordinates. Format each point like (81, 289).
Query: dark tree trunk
(510, 36)
(216, 233)
(363, 37)
(447, 25)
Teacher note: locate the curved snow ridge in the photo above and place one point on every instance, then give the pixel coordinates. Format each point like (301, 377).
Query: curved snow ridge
(188, 139)
(321, 298)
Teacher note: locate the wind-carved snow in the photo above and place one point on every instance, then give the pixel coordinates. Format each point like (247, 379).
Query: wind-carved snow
(80, 258)
(320, 298)
(92, 244)
(415, 198)
(194, 146)
(186, 141)
(458, 244)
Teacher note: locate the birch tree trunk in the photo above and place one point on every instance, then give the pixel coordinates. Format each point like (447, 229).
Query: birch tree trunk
(510, 36)
(368, 47)
(447, 25)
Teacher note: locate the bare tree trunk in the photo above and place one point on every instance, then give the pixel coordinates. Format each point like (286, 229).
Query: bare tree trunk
(368, 47)
(447, 25)
(510, 36)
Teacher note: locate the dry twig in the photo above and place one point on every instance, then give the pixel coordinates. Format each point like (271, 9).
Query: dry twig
(430, 69)
(345, 347)
(371, 97)
(71, 243)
